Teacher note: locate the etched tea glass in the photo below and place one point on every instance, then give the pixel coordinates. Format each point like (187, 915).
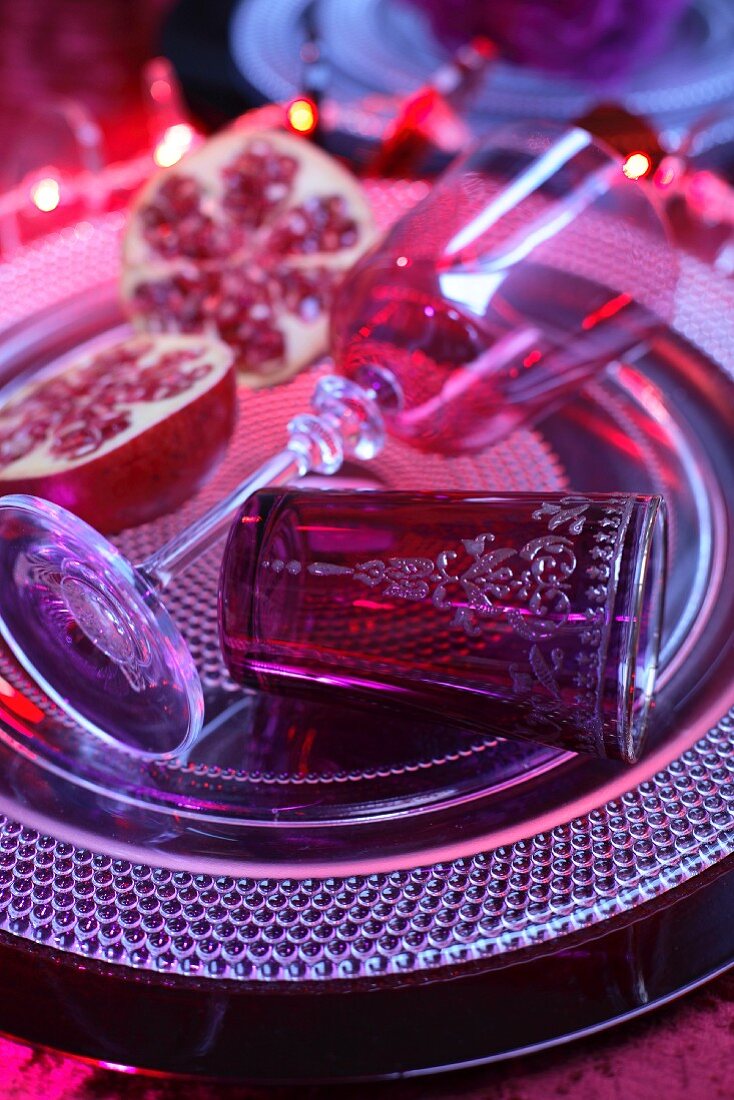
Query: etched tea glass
(525, 615)
(531, 264)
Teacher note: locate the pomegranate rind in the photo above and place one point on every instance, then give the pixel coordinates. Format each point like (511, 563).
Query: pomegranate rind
(152, 468)
(318, 176)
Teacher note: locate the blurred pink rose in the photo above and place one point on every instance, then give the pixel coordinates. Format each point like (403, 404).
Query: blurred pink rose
(593, 40)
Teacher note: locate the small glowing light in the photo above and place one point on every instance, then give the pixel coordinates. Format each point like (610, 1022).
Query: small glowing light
(119, 1067)
(19, 703)
(176, 141)
(604, 312)
(46, 194)
(161, 90)
(636, 166)
(669, 170)
(302, 116)
(402, 261)
(665, 177)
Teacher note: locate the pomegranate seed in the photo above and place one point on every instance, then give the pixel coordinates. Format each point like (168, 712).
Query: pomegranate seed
(77, 441)
(15, 447)
(114, 425)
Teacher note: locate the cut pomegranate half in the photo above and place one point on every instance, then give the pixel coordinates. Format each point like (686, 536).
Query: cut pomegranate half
(122, 435)
(247, 238)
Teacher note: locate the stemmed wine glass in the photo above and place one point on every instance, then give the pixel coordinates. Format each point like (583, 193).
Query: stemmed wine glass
(480, 310)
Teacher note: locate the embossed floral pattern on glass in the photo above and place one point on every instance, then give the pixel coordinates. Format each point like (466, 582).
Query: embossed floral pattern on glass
(535, 616)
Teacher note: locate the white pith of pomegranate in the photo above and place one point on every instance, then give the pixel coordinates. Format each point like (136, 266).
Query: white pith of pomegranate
(247, 238)
(124, 434)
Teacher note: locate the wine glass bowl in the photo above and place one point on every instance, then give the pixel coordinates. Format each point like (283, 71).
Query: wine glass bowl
(487, 301)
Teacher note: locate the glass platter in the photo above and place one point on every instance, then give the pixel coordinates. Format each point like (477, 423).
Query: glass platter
(363, 791)
(300, 843)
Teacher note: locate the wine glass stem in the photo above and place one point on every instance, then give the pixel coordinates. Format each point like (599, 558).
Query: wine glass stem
(183, 549)
(347, 421)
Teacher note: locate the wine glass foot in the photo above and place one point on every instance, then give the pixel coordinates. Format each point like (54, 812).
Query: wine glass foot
(93, 633)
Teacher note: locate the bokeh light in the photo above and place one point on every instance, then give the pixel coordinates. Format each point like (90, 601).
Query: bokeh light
(176, 141)
(636, 166)
(46, 194)
(302, 116)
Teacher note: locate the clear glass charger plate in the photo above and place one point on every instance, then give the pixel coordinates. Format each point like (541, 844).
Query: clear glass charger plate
(379, 49)
(301, 842)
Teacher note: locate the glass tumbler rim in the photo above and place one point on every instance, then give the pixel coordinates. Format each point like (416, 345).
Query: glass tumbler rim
(649, 578)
